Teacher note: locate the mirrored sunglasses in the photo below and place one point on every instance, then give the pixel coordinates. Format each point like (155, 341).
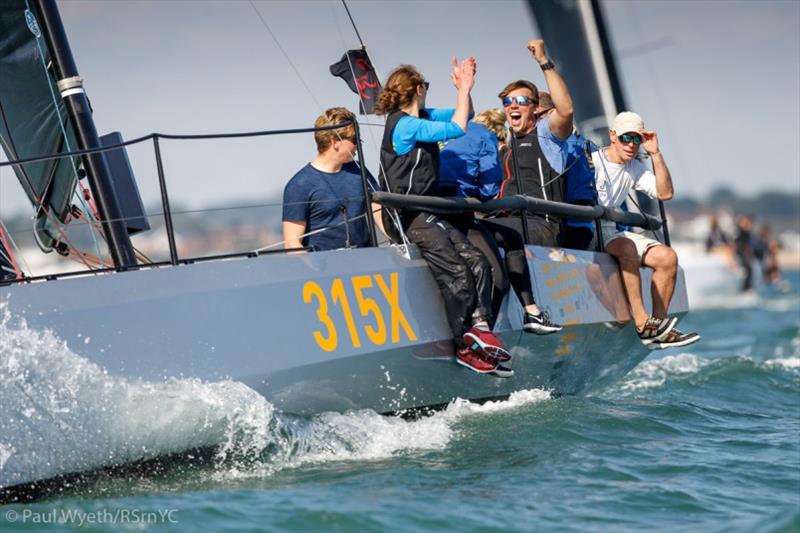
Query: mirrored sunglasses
(521, 100)
(627, 138)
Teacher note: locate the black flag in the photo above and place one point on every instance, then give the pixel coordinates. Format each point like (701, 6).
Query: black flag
(357, 71)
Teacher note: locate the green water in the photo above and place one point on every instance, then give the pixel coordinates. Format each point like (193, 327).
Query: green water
(706, 438)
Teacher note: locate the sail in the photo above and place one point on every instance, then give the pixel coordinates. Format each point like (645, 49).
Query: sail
(575, 39)
(33, 120)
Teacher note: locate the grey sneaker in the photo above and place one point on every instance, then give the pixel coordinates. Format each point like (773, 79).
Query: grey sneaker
(674, 339)
(656, 329)
(539, 324)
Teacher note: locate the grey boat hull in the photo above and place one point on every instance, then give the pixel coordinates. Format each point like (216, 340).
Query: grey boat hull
(350, 329)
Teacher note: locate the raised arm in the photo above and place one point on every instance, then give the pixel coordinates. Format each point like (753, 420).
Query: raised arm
(561, 118)
(463, 77)
(663, 178)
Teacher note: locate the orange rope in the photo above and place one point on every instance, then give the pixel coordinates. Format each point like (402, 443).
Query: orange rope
(17, 270)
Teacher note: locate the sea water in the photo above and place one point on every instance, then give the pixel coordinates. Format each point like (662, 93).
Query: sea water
(705, 438)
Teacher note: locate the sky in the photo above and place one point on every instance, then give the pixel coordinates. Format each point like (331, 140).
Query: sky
(718, 80)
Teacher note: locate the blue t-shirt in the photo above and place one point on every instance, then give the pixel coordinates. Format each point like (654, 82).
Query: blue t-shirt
(471, 165)
(553, 148)
(436, 126)
(326, 200)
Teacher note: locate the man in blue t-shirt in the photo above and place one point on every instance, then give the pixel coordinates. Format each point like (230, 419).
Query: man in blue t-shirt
(323, 204)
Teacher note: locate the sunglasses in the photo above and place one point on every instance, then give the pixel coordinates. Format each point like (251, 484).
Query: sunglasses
(521, 100)
(426, 84)
(627, 138)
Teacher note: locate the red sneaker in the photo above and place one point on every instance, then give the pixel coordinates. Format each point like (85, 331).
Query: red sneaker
(485, 342)
(475, 361)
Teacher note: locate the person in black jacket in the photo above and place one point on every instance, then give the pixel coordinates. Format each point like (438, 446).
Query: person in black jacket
(410, 165)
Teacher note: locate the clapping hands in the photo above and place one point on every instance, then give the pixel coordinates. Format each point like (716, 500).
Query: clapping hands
(463, 74)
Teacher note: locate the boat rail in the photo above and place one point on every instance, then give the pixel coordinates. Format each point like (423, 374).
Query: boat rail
(434, 204)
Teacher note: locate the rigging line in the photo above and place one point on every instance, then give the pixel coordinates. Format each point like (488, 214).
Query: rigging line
(5, 247)
(96, 225)
(353, 23)
(39, 202)
(61, 122)
(286, 55)
(375, 144)
(608, 180)
(4, 230)
(393, 214)
(310, 233)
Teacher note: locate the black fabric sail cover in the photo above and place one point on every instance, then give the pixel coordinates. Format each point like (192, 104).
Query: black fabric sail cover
(357, 71)
(33, 121)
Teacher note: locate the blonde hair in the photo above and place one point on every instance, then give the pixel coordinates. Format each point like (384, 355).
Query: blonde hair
(333, 116)
(494, 120)
(399, 90)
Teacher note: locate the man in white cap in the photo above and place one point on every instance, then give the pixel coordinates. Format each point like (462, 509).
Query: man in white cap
(617, 172)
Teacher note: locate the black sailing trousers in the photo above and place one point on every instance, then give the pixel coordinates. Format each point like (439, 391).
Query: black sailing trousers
(461, 271)
(540, 231)
(513, 271)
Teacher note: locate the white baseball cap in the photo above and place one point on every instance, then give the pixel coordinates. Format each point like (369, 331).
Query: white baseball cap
(627, 121)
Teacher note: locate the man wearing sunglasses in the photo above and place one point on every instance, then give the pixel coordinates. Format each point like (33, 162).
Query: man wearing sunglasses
(539, 148)
(618, 171)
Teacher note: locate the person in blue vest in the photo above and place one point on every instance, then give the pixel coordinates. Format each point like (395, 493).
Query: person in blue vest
(580, 189)
(470, 167)
(410, 165)
(323, 204)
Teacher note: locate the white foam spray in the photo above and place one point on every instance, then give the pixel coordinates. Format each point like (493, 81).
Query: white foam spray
(63, 414)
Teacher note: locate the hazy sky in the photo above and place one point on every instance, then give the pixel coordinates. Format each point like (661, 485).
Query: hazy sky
(719, 80)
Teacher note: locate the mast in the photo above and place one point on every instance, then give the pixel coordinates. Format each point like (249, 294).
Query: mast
(608, 57)
(578, 40)
(70, 85)
(570, 31)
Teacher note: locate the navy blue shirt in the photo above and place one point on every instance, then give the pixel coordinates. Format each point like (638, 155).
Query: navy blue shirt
(326, 200)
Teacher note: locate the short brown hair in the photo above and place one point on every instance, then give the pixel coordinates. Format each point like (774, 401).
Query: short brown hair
(332, 116)
(545, 101)
(399, 90)
(520, 84)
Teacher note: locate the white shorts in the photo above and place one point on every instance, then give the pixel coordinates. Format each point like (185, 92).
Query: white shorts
(641, 242)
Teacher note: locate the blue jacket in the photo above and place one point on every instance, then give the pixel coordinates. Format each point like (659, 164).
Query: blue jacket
(469, 166)
(580, 177)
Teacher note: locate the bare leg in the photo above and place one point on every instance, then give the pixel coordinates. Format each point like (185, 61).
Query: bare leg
(664, 262)
(625, 252)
